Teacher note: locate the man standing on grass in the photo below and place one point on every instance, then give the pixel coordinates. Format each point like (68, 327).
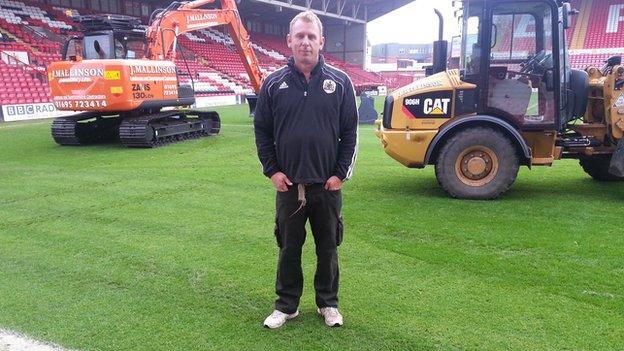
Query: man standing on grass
(306, 134)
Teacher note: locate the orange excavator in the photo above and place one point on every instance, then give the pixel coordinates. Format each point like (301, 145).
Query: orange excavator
(120, 76)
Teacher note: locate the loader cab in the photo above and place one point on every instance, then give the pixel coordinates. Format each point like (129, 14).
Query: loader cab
(515, 52)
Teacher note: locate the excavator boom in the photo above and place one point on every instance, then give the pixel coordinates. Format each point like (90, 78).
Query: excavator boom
(187, 17)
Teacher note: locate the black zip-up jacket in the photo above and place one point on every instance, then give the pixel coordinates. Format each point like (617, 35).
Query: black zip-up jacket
(308, 131)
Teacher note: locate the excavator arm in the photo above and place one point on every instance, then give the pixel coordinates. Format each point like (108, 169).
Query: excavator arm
(184, 17)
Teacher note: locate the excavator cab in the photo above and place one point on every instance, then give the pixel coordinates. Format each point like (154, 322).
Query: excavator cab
(107, 37)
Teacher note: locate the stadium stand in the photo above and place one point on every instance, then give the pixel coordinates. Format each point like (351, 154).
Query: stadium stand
(597, 33)
(22, 84)
(216, 51)
(603, 27)
(394, 80)
(362, 80)
(31, 36)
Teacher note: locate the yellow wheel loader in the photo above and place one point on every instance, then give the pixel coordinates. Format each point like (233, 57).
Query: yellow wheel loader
(513, 101)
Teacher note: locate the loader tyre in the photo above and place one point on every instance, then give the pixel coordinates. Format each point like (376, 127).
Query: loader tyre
(477, 163)
(597, 166)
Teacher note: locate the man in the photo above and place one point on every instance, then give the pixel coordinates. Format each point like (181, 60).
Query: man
(306, 134)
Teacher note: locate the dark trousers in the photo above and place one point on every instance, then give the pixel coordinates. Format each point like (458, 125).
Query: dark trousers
(323, 211)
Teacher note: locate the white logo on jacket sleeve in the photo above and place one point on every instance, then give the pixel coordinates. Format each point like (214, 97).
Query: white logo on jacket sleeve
(329, 86)
(283, 86)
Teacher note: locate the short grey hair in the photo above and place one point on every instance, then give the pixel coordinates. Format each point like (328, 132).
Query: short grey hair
(307, 16)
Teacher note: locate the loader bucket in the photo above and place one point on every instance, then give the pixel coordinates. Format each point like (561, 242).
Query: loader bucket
(252, 100)
(616, 167)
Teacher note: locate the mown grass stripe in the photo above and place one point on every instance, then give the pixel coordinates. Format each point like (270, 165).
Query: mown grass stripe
(108, 248)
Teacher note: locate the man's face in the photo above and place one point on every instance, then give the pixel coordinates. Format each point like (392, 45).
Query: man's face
(305, 41)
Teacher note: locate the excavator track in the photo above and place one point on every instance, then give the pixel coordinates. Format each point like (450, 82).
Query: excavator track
(84, 128)
(168, 127)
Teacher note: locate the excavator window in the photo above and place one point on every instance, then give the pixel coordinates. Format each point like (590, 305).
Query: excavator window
(93, 47)
(99, 50)
(135, 49)
(72, 49)
(120, 50)
(98, 47)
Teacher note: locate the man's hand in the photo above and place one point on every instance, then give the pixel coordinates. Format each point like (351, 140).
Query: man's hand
(333, 184)
(280, 182)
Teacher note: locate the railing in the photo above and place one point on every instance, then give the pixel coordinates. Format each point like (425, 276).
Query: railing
(43, 34)
(37, 72)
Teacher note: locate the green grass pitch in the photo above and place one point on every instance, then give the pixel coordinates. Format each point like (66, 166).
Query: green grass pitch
(108, 248)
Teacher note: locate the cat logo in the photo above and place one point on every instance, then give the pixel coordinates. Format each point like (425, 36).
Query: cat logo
(329, 86)
(436, 106)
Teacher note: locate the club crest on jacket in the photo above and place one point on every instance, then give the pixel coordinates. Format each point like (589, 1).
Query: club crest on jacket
(329, 86)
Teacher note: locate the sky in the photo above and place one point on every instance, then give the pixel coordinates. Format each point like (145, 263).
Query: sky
(414, 23)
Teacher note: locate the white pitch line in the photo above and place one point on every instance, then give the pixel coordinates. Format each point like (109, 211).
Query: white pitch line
(21, 125)
(237, 125)
(11, 341)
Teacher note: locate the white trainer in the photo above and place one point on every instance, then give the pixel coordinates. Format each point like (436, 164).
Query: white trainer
(278, 318)
(333, 318)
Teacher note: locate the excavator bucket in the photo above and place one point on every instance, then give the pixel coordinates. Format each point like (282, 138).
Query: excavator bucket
(616, 167)
(252, 100)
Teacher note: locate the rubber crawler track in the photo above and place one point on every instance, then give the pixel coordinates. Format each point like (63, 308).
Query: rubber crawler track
(143, 131)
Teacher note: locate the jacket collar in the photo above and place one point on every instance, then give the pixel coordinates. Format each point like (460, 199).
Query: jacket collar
(315, 70)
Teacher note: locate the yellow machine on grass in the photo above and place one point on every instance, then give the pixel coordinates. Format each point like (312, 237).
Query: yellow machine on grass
(513, 101)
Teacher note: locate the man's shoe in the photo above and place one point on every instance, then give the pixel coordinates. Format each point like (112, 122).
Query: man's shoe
(333, 318)
(278, 318)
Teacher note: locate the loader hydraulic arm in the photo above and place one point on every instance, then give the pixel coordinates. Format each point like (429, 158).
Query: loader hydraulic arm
(184, 17)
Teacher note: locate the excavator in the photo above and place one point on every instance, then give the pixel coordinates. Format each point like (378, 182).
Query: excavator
(123, 80)
(512, 101)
